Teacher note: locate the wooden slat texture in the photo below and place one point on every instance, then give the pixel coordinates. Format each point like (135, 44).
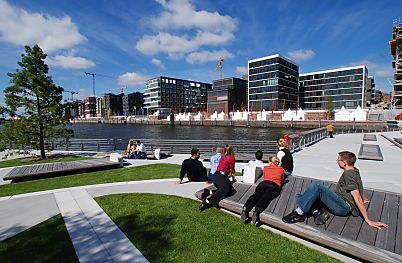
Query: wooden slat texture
(386, 238)
(370, 152)
(249, 192)
(240, 191)
(367, 233)
(297, 188)
(284, 198)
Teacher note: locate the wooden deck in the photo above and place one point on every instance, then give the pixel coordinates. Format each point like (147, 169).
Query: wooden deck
(348, 235)
(60, 168)
(370, 152)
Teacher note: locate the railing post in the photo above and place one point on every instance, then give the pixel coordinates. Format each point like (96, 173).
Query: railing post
(66, 144)
(82, 147)
(114, 144)
(98, 146)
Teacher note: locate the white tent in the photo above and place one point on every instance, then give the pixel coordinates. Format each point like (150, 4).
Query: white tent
(214, 116)
(198, 117)
(221, 116)
(342, 115)
(300, 116)
(262, 116)
(358, 114)
(245, 114)
(236, 115)
(288, 116)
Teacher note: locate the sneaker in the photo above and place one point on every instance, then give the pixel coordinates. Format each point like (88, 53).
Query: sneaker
(204, 205)
(256, 218)
(320, 217)
(293, 217)
(244, 216)
(205, 194)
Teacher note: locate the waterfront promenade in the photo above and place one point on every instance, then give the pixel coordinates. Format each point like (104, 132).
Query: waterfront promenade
(20, 212)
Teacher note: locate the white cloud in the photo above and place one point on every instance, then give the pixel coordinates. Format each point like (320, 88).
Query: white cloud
(385, 73)
(374, 69)
(241, 70)
(20, 27)
(133, 79)
(70, 62)
(158, 63)
(207, 56)
(301, 54)
(202, 29)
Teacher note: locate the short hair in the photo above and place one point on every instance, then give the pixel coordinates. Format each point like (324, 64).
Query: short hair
(281, 142)
(194, 151)
(138, 142)
(274, 160)
(258, 155)
(219, 149)
(348, 157)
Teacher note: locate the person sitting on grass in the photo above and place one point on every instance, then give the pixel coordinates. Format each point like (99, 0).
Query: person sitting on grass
(214, 163)
(140, 152)
(347, 198)
(193, 167)
(265, 192)
(258, 160)
(226, 169)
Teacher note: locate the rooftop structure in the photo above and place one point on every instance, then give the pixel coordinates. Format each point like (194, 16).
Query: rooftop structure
(396, 51)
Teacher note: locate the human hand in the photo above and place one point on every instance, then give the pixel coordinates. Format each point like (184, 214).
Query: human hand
(378, 225)
(179, 181)
(366, 200)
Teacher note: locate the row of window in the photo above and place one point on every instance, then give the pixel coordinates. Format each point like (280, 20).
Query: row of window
(332, 92)
(333, 80)
(275, 74)
(332, 74)
(335, 98)
(338, 104)
(274, 67)
(334, 86)
(273, 61)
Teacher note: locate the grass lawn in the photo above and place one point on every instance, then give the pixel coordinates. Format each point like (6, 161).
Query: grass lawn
(46, 242)
(171, 229)
(35, 160)
(145, 172)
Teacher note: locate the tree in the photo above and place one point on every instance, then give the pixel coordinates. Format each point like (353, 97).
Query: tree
(34, 103)
(329, 105)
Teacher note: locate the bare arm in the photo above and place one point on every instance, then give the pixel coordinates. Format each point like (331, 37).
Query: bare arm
(360, 205)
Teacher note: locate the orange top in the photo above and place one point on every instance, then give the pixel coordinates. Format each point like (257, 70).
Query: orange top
(274, 174)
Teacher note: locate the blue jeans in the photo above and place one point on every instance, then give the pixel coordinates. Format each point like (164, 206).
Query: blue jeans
(316, 192)
(140, 155)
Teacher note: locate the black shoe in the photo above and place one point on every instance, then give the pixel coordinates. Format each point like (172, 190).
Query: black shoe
(256, 217)
(244, 215)
(204, 205)
(205, 194)
(320, 217)
(293, 217)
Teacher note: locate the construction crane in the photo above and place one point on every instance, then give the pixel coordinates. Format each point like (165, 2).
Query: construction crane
(219, 67)
(121, 89)
(72, 94)
(93, 79)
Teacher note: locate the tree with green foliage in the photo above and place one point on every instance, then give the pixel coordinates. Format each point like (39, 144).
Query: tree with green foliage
(34, 103)
(329, 106)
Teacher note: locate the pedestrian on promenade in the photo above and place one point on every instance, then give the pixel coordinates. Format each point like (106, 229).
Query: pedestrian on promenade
(265, 192)
(330, 130)
(258, 160)
(140, 151)
(193, 168)
(214, 163)
(347, 198)
(285, 157)
(226, 169)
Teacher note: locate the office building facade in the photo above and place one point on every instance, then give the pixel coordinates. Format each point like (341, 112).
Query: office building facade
(341, 87)
(168, 94)
(227, 95)
(133, 103)
(272, 83)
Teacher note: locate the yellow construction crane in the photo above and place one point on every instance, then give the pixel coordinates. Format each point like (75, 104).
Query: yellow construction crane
(219, 67)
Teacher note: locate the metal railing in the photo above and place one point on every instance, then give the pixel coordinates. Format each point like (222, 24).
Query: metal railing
(307, 138)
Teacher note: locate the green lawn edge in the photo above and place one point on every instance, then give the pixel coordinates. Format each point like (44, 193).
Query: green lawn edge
(46, 242)
(171, 229)
(19, 162)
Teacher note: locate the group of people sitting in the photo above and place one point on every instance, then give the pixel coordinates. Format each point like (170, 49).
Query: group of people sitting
(317, 200)
(135, 151)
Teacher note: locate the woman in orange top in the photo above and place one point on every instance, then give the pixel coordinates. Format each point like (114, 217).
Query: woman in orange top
(266, 191)
(226, 168)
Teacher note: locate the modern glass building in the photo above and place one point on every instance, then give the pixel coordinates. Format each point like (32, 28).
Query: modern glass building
(342, 87)
(166, 94)
(227, 95)
(272, 83)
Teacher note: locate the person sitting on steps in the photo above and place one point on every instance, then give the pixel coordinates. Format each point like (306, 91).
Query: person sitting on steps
(265, 192)
(193, 167)
(258, 160)
(285, 156)
(347, 198)
(140, 152)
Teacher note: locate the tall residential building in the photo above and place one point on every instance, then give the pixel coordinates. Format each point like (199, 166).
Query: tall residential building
(166, 94)
(342, 86)
(112, 105)
(133, 103)
(272, 83)
(90, 107)
(368, 96)
(396, 52)
(227, 94)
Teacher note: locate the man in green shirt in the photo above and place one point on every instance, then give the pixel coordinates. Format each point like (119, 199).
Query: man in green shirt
(347, 198)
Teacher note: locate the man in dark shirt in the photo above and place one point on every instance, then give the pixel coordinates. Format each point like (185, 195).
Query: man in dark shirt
(194, 169)
(347, 198)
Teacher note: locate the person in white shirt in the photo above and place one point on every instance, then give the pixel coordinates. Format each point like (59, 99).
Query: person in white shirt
(258, 160)
(140, 152)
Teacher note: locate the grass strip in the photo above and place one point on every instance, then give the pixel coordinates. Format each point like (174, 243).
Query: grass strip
(47, 242)
(35, 160)
(171, 229)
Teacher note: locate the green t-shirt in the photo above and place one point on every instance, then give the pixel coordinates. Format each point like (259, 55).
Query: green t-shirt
(350, 180)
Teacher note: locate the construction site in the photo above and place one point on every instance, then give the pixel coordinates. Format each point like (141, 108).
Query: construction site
(396, 52)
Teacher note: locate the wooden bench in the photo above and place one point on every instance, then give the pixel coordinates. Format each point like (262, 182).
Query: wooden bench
(370, 152)
(38, 171)
(369, 137)
(347, 235)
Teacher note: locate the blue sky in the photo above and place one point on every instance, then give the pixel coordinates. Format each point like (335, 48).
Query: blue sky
(127, 42)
